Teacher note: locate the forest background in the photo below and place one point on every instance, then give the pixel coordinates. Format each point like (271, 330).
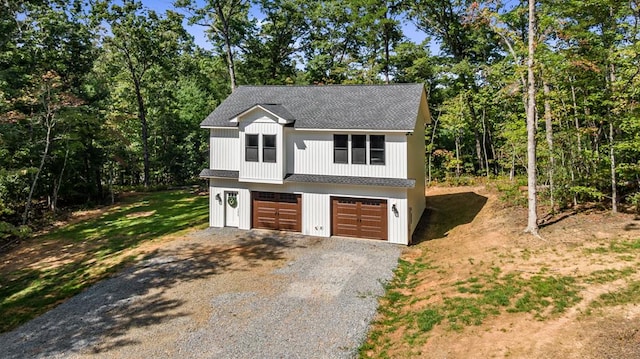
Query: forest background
(103, 96)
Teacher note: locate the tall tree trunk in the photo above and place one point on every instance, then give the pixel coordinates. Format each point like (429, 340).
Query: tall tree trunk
(512, 171)
(614, 185)
(474, 120)
(476, 135)
(56, 187)
(386, 59)
(50, 123)
(226, 35)
(532, 222)
(387, 43)
(457, 155)
(575, 118)
(111, 180)
(433, 136)
(548, 118)
(484, 142)
(142, 116)
(496, 168)
(612, 155)
(230, 64)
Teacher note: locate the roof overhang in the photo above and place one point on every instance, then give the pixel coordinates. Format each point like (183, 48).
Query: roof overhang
(209, 173)
(351, 180)
(220, 127)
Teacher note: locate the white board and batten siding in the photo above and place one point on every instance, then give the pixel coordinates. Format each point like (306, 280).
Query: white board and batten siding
(312, 153)
(416, 161)
(224, 144)
(217, 208)
(261, 123)
(316, 214)
(316, 205)
(316, 208)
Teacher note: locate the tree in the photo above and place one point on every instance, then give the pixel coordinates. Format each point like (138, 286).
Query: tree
(269, 56)
(382, 32)
(333, 42)
(228, 24)
(468, 46)
(49, 53)
(532, 218)
(156, 42)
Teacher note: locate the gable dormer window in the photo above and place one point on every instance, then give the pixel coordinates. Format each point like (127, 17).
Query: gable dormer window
(269, 148)
(359, 149)
(251, 148)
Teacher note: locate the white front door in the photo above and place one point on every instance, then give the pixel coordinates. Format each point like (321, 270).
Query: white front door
(231, 209)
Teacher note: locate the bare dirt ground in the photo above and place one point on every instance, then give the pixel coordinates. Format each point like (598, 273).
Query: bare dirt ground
(469, 230)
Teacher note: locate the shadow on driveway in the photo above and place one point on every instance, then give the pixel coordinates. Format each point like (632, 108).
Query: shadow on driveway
(103, 313)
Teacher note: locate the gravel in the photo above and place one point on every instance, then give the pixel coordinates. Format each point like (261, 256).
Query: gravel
(222, 293)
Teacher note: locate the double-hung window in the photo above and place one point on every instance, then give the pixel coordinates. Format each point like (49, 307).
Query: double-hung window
(251, 148)
(358, 149)
(269, 148)
(340, 148)
(359, 146)
(376, 149)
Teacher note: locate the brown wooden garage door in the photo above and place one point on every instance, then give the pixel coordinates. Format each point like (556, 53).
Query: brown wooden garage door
(359, 217)
(281, 211)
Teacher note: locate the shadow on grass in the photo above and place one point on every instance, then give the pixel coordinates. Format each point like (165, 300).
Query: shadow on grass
(446, 212)
(75, 256)
(98, 319)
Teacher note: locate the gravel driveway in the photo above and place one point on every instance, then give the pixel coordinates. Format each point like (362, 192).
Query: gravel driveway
(222, 293)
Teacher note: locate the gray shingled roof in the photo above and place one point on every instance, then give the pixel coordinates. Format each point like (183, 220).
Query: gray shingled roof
(383, 107)
(358, 181)
(303, 178)
(278, 110)
(209, 173)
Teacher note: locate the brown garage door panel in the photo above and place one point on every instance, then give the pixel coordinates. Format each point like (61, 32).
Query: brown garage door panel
(289, 217)
(279, 211)
(357, 217)
(265, 218)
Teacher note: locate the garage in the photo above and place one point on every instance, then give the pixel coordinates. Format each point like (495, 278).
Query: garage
(279, 211)
(359, 217)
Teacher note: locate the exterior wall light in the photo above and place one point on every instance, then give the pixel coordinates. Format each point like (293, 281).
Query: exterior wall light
(394, 209)
(218, 198)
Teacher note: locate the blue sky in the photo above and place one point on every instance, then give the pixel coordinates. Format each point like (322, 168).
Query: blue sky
(197, 32)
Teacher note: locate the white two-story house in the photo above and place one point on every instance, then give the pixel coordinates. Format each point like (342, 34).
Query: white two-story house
(344, 161)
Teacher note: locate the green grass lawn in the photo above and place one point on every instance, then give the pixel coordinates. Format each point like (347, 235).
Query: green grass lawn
(71, 258)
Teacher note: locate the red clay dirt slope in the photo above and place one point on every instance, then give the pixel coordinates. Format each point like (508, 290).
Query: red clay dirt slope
(469, 231)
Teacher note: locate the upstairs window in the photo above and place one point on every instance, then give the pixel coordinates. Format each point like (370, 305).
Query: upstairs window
(251, 148)
(376, 149)
(359, 149)
(340, 148)
(269, 148)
